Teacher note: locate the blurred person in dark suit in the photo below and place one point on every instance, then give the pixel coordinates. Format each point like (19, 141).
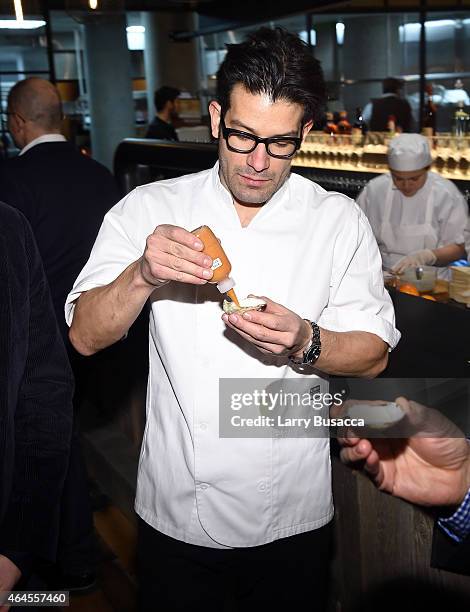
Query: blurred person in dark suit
(377, 112)
(64, 195)
(430, 468)
(36, 388)
(165, 105)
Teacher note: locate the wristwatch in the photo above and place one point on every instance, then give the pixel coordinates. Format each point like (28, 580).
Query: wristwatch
(313, 350)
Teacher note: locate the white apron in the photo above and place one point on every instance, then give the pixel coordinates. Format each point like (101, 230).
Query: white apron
(397, 241)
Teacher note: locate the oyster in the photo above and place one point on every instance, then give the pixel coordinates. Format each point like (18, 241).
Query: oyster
(248, 303)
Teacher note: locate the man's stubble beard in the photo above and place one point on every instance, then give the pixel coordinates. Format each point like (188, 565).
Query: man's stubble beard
(245, 195)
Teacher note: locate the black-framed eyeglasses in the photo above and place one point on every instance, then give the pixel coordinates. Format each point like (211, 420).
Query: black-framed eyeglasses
(282, 147)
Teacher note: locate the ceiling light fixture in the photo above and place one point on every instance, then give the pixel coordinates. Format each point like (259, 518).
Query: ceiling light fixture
(15, 24)
(18, 10)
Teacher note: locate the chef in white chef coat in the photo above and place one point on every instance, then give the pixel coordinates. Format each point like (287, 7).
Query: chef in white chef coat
(417, 216)
(244, 512)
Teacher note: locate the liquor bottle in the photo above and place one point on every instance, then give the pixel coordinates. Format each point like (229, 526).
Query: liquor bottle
(428, 123)
(359, 124)
(330, 127)
(344, 127)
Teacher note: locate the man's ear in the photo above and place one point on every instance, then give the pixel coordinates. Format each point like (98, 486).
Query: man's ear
(214, 112)
(306, 129)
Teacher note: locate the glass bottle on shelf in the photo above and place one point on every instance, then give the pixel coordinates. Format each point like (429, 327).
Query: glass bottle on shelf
(428, 123)
(330, 127)
(359, 128)
(392, 125)
(359, 124)
(344, 127)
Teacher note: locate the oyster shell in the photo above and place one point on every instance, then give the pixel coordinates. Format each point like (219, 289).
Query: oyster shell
(248, 303)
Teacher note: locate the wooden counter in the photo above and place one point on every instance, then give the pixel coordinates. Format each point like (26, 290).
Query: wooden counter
(383, 551)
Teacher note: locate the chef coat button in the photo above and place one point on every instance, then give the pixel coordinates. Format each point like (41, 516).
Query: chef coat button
(262, 486)
(203, 486)
(203, 426)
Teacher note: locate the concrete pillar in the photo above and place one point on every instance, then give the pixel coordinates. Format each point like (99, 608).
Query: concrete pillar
(168, 62)
(325, 49)
(330, 56)
(109, 80)
(376, 55)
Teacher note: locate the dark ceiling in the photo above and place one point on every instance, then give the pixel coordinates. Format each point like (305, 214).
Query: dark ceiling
(236, 10)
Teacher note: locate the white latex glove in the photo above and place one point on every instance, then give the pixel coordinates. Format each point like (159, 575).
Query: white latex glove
(419, 258)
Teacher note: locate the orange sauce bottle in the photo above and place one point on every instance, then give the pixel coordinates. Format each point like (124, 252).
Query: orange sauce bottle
(221, 265)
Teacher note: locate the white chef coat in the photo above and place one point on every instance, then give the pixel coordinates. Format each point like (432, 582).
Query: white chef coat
(434, 217)
(467, 239)
(311, 251)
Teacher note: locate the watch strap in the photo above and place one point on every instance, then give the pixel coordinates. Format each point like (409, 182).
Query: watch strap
(313, 350)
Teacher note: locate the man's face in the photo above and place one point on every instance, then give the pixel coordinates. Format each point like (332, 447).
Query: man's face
(252, 178)
(410, 182)
(173, 109)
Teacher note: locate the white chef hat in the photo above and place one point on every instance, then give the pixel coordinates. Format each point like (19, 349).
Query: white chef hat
(407, 152)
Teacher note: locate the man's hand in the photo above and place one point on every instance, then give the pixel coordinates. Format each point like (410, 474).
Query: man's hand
(425, 257)
(173, 253)
(431, 468)
(276, 330)
(9, 576)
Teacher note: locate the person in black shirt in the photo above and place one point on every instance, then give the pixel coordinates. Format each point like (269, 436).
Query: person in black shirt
(165, 104)
(36, 388)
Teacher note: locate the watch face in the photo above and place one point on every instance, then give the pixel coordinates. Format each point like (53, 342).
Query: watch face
(313, 351)
(312, 354)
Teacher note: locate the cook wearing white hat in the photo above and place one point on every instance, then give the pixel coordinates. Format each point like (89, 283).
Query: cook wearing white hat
(417, 216)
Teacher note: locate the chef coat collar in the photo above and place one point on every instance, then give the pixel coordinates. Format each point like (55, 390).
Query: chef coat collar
(227, 198)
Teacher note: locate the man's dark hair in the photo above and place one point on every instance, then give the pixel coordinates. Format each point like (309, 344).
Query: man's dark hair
(163, 95)
(276, 63)
(392, 85)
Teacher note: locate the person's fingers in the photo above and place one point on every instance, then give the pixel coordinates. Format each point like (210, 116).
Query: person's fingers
(270, 321)
(160, 243)
(428, 422)
(400, 265)
(163, 260)
(178, 234)
(348, 441)
(373, 467)
(357, 452)
(258, 333)
(169, 260)
(271, 306)
(264, 347)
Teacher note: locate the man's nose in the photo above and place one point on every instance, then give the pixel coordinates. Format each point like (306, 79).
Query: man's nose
(259, 158)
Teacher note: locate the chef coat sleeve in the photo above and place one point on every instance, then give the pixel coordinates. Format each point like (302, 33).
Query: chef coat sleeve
(362, 199)
(467, 239)
(358, 300)
(453, 217)
(117, 245)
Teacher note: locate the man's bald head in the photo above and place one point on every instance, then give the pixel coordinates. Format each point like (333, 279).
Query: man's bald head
(38, 101)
